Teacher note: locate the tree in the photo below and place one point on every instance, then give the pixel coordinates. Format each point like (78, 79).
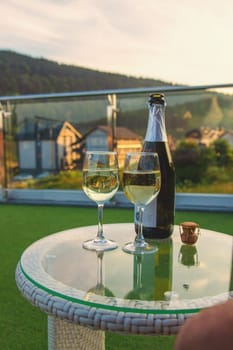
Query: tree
(215, 114)
(192, 161)
(224, 153)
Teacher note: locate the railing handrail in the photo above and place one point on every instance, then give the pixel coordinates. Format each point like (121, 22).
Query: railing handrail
(126, 91)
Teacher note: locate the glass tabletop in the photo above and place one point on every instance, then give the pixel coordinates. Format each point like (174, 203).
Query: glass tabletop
(177, 278)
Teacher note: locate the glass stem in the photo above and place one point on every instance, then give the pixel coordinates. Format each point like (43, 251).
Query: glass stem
(139, 259)
(100, 268)
(139, 240)
(100, 233)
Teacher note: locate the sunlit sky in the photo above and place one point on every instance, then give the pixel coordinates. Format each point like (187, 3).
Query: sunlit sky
(178, 41)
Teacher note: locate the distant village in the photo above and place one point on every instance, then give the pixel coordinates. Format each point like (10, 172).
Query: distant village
(48, 146)
(59, 145)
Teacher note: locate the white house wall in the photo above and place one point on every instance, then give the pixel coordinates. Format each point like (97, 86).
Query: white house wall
(97, 141)
(27, 154)
(48, 155)
(60, 152)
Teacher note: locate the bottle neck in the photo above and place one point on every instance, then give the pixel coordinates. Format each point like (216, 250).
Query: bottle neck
(156, 129)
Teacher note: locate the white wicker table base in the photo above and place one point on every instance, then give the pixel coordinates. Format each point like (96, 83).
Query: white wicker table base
(63, 335)
(67, 316)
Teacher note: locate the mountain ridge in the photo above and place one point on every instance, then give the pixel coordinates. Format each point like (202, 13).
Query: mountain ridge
(23, 74)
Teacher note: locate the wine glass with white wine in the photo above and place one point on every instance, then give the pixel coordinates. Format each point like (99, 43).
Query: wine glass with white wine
(141, 184)
(100, 183)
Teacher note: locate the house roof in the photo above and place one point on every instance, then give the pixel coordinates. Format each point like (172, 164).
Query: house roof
(205, 135)
(122, 133)
(43, 129)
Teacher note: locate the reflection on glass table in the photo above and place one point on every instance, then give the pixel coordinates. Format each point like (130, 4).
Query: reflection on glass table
(188, 255)
(99, 288)
(71, 270)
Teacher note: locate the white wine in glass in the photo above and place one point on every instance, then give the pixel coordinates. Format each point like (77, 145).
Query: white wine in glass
(141, 184)
(100, 183)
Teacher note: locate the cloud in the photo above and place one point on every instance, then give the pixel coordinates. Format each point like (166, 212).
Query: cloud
(172, 40)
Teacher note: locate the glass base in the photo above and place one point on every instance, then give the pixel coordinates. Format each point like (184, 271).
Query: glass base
(133, 248)
(100, 245)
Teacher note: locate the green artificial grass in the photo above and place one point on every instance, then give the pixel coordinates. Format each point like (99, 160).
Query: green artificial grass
(24, 327)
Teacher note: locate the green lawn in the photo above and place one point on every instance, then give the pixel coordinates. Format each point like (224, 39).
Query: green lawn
(24, 327)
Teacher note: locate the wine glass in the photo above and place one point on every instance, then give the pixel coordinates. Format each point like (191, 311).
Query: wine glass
(141, 184)
(100, 183)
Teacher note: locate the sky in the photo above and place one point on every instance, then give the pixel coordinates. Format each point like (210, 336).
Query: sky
(177, 41)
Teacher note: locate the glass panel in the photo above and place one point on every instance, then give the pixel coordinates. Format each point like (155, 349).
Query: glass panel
(199, 127)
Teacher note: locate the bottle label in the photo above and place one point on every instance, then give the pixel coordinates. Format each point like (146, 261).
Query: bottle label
(149, 216)
(156, 129)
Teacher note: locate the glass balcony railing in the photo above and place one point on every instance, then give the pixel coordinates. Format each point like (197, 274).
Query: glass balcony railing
(43, 139)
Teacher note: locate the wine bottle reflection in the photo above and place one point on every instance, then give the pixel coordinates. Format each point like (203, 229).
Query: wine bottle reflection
(163, 268)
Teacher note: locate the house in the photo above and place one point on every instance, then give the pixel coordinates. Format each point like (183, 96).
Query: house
(46, 145)
(205, 136)
(101, 138)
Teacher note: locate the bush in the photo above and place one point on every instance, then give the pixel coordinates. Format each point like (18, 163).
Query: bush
(192, 161)
(224, 153)
(64, 180)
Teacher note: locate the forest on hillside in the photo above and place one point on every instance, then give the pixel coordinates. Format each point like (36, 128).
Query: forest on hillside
(22, 74)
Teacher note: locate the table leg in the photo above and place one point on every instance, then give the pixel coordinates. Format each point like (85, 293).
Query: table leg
(63, 335)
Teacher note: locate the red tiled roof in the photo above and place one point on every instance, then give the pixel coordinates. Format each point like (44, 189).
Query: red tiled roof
(121, 132)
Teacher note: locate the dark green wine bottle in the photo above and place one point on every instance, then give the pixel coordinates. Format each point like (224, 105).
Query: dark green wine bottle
(158, 218)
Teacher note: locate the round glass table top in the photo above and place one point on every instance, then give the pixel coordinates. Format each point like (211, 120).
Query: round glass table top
(177, 278)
